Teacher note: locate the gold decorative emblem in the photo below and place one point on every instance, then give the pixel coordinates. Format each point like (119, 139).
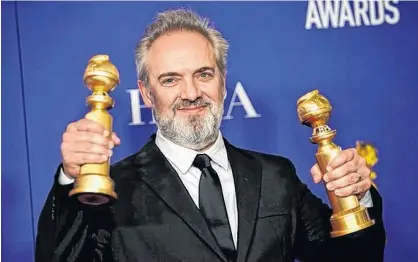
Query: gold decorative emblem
(370, 154)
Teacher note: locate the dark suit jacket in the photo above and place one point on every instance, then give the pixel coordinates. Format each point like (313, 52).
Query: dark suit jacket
(155, 219)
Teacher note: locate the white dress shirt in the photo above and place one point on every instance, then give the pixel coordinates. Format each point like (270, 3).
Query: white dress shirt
(182, 158)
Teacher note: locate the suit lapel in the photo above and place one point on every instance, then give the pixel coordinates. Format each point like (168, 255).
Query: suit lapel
(247, 177)
(156, 171)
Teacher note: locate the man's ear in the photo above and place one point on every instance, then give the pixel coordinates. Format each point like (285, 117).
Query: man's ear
(145, 94)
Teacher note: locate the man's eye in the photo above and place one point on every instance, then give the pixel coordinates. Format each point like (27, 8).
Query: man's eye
(168, 81)
(205, 75)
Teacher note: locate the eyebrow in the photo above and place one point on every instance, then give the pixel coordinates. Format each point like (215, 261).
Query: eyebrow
(200, 70)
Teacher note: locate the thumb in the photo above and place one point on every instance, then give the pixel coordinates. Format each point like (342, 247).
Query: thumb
(115, 139)
(316, 174)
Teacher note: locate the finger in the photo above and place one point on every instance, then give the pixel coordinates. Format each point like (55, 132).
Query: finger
(344, 181)
(364, 172)
(355, 189)
(91, 126)
(343, 157)
(316, 174)
(362, 161)
(90, 148)
(115, 139)
(84, 136)
(84, 158)
(341, 171)
(71, 127)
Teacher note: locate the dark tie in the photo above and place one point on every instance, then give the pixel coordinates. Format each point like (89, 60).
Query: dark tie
(212, 206)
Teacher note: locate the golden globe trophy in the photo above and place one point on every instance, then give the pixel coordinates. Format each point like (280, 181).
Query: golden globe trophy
(348, 215)
(94, 186)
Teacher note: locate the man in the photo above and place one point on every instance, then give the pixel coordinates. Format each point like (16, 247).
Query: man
(189, 195)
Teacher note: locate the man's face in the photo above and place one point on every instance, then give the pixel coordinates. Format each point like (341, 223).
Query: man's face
(186, 89)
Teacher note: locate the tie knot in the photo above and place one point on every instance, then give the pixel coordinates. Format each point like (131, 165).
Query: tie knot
(202, 161)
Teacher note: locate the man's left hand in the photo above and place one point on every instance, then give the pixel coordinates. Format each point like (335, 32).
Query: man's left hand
(347, 174)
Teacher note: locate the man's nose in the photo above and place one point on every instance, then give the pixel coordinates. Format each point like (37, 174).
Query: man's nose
(190, 91)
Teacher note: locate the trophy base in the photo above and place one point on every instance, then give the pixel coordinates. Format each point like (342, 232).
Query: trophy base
(350, 221)
(93, 189)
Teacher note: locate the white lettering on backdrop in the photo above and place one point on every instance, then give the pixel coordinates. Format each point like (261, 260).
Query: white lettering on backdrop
(239, 98)
(338, 14)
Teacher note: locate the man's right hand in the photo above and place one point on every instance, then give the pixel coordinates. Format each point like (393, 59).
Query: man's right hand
(85, 142)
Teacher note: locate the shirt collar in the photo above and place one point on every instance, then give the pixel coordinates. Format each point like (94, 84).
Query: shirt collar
(183, 157)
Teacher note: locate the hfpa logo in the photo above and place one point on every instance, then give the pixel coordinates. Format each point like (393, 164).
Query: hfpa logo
(239, 98)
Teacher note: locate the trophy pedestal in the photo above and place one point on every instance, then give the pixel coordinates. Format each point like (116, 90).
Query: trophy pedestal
(94, 189)
(350, 221)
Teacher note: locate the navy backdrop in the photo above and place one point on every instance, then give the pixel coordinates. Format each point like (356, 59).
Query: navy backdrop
(364, 59)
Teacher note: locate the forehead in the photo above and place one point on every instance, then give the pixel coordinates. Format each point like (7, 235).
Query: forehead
(180, 52)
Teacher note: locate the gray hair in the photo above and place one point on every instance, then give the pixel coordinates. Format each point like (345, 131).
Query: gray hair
(177, 20)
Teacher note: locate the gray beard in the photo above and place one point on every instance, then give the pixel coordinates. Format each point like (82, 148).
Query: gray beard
(194, 132)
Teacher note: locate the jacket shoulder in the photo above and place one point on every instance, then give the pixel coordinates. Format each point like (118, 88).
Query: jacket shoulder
(123, 168)
(268, 159)
(124, 162)
(277, 166)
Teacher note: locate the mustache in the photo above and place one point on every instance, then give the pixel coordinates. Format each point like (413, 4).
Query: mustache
(184, 103)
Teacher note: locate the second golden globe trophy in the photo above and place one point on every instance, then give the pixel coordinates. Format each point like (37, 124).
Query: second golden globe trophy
(348, 216)
(94, 186)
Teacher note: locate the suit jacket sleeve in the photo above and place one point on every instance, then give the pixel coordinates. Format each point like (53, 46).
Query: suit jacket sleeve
(313, 241)
(70, 231)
